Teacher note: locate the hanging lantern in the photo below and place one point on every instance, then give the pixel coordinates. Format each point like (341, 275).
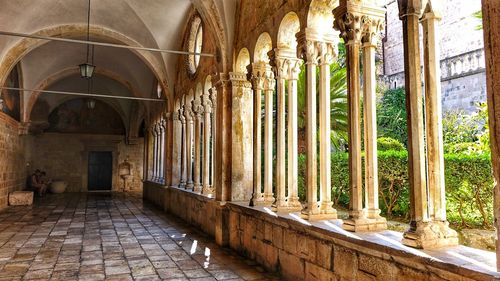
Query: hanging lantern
(87, 70)
(91, 103)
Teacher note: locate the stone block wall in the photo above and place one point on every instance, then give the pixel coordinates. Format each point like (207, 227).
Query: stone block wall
(195, 209)
(12, 159)
(300, 251)
(65, 157)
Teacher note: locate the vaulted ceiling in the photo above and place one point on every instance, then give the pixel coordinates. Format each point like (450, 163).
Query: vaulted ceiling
(147, 23)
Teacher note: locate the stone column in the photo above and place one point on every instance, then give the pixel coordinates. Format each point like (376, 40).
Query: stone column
(198, 115)
(213, 100)
(241, 138)
(155, 152)
(491, 25)
(308, 51)
(269, 88)
(423, 232)
(176, 149)
(183, 171)
(349, 24)
(258, 85)
(293, 153)
(207, 132)
(326, 54)
(372, 26)
(161, 160)
(189, 144)
(280, 65)
(433, 118)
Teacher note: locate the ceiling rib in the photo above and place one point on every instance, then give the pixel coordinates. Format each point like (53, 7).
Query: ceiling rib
(83, 94)
(85, 42)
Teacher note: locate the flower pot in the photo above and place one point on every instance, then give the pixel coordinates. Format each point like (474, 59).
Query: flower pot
(58, 186)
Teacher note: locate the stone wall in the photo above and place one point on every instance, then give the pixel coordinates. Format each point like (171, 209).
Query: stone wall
(12, 159)
(462, 57)
(303, 250)
(65, 157)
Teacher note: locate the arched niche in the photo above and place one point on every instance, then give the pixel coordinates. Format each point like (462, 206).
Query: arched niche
(262, 47)
(242, 61)
(320, 16)
(289, 26)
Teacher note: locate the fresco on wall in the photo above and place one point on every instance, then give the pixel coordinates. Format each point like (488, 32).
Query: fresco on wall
(75, 117)
(11, 100)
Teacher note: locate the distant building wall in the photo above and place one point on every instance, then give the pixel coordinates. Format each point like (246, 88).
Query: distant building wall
(463, 78)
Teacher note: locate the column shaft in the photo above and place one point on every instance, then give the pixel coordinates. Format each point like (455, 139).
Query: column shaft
(416, 155)
(257, 142)
(189, 152)
(268, 142)
(197, 152)
(280, 146)
(353, 100)
(433, 124)
(370, 130)
(206, 150)
(311, 156)
(324, 136)
(293, 154)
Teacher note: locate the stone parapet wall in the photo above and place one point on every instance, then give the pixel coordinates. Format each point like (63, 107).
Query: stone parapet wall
(13, 171)
(197, 210)
(303, 250)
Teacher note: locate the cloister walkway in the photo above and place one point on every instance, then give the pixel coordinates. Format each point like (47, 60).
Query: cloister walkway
(109, 237)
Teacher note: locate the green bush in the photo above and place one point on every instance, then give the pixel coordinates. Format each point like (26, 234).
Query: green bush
(391, 115)
(468, 179)
(386, 143)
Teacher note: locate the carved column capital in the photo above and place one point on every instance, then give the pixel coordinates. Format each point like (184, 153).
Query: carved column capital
(213, 96)
(175, 116)
(197, 109)
(239, 80)
(269, 82)
(350, 27)
(372, 27)
(294, 68)
(327, 52)
(207, 103)
(181, 115)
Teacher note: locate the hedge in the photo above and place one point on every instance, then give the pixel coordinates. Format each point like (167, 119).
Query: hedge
(468, 179)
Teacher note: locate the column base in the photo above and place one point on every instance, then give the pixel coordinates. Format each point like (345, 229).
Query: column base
(268, 198)
(285, 207)
(208, 191)
(430, 235)
(189, 185)
(197, 188)
(365, 224)
(257, 200)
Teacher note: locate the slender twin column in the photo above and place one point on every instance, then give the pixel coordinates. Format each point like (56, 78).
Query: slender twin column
(269, 88)
(294, 65)
(188, 114)
(213, 100)
(154, 152)
(309, 52)
(356, 27)
(176, 149)
(318, 48)
(258, 86)
(198, 116)
(287, 67)
(428, 225)
(161, 165)
(183, 172)
(207, 110)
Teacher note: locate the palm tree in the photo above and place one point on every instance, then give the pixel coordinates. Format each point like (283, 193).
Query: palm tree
(338, 105)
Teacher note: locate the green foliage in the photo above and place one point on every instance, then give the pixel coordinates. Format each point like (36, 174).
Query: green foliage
(338, 100)
(466, 133)
(479, 15)
(468, 179)
(391, 115)
(386, 143)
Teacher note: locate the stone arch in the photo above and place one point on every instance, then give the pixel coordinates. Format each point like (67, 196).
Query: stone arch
(208, 84)
(320, 16)
(66, 73)
(199, 91)
(264, 44)
(289, 26)
(113, 105)
(242, 61)
(26, 45)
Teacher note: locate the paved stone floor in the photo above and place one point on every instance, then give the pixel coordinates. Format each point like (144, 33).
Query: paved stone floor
(110, 237)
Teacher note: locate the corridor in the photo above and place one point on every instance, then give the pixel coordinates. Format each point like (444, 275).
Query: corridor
(109, 237)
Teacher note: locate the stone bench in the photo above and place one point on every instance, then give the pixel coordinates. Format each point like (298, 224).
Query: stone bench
(21, 198)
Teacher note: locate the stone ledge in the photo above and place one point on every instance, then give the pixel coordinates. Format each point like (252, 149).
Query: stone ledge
(386, 245)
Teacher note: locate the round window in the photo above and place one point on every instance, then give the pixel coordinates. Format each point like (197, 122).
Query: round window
(195, 44)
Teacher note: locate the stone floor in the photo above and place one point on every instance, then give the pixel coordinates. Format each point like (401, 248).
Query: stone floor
(110, 237)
